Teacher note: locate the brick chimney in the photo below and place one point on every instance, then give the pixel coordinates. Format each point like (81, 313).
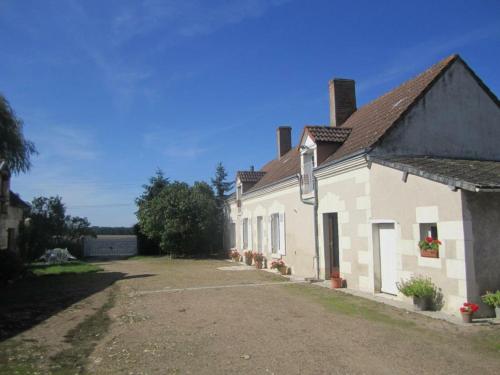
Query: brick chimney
(284, 139)
(342, 100)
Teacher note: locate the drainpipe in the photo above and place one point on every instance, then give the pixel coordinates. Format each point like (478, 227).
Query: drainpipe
(314, 203)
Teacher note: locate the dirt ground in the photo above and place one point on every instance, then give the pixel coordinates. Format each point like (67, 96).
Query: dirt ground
(164, 316)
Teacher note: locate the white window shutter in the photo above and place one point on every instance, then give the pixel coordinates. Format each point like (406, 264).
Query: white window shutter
(269, 235)
(282, 246)
(250, 234)
(241, 234)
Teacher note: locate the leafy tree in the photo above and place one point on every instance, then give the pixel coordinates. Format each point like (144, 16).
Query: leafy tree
(48, 226)
(14, 148)
(181, 218)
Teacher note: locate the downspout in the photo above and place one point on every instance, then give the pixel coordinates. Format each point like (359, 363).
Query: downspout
(314, 203)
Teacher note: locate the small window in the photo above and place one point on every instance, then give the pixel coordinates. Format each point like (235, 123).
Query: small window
(429, 241)
(429, 230)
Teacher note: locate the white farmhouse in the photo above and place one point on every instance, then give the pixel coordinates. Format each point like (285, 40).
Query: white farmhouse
(358, 195)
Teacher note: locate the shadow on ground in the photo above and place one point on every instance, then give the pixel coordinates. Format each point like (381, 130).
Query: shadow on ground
(30, 301)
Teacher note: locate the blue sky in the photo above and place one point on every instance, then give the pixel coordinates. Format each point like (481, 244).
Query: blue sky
(112, 90)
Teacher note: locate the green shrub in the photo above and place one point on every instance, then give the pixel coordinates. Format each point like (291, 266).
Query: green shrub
(11, 266)
(417, 286)
(492, 299)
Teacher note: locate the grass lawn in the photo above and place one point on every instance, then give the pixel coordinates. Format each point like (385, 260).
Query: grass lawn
(59, 269)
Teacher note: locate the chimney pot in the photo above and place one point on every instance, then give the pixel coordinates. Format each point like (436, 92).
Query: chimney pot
(284, 139)
(342, 100)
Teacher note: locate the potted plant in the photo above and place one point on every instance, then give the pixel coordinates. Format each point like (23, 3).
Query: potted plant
(336, 279)
(493, 300)
(429, 247)
(467, 310)
(235, 255)
(248, 257)
(279, 265)
(421, 289)
(258, 259)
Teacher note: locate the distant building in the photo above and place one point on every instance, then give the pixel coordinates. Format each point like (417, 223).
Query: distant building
(357, 196)
(12, 209)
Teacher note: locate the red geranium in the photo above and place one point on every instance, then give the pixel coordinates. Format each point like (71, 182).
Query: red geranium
(469, 308)
(428, 239)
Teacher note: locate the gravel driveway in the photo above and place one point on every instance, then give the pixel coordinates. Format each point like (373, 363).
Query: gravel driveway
(169, 319)
(161, 316)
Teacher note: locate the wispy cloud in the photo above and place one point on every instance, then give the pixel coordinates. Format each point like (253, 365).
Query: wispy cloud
(186, 18)
(181, 144)
(66, 143)
(412, 58)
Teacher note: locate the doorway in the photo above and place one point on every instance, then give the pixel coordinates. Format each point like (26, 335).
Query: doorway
(331, 231)
(388, 260)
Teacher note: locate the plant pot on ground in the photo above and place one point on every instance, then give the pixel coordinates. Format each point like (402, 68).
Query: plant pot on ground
(493, 300)
(421, 289)
(235, 255)
(279, 265)
(248, 257)
(335, 278)
(467, 310)
(258, 259)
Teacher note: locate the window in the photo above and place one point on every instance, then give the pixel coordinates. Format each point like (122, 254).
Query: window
(259, 234)
(275, 233)
(428, 230)
(307, 174)
(245, 233)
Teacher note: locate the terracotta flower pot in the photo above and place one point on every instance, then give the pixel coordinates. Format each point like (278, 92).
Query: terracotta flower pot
(426, 253)
(336, 282)
(258, 265)
(467, 317)
(283, 270)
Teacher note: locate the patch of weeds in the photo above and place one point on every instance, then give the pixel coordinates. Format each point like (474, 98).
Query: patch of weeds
(67, 268)
(488, 340)
(350, 305)
(23, 358)
(82, 340)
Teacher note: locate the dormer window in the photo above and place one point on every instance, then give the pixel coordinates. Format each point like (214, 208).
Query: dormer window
(308, 163)
(307, 172)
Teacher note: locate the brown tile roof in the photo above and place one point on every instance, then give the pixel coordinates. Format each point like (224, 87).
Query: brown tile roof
(364, 127)
(466, 174)
(327, 133)
(370, 122)
(250, 176)
(278, 169)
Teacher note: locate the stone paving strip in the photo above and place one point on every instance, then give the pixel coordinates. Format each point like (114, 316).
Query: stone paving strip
(169, 290)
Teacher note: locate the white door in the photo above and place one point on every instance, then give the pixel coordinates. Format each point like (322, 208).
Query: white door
(387, 237)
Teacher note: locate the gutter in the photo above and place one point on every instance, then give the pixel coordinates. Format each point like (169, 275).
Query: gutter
(314, 203)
